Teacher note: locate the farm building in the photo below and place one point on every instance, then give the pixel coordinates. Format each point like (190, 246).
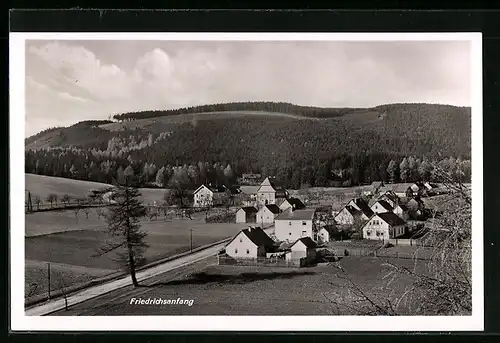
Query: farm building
(303, 247)
(401, 211)
(267, 214)
(246, 215)
(381, 206)
(292, 225)
(415, 204)
(249, 243)
(291, 203)
(383, 226)
(269, 193)
(250, 179)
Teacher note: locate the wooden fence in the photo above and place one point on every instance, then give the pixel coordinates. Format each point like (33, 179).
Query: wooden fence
(261, 261)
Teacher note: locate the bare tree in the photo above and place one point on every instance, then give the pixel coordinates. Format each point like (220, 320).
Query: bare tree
(37, 201)
(51, 198)
(66, 199)
(86, 210)
(76, 210)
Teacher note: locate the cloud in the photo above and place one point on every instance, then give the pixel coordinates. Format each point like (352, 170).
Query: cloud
(77, 80)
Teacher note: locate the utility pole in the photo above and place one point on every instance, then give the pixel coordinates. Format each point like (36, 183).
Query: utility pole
(191, 231)
(48, 275)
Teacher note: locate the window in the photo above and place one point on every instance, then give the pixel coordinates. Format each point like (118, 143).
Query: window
(289, 234)
(248, 251)
(304, 223)
(289, 223)
(304, 233)
(235, 251)
(368, 233)
(241, 240)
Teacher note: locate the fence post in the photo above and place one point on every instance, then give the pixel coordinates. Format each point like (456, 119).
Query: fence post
(48, 276)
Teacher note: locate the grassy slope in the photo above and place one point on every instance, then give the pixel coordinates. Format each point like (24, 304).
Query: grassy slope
(44, 185)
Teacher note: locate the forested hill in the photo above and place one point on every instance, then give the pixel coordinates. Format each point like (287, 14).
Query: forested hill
(275, 107)
(357, 141)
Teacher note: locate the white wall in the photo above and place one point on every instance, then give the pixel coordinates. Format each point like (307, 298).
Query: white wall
(291, 230)
(204, 197)
(238, 247)
(241, 216)
(265, 216)
(372, 226)
(344, 217)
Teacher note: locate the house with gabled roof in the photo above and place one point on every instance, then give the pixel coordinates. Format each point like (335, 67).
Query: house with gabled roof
(384, 226)
(355, 209)
(302, 247)
(247, 214)
(269, 192)
(250, 243)
(292, 225)
(390, 197)
(267, 214)
(213, 195)
(381, 206)
(291, 204)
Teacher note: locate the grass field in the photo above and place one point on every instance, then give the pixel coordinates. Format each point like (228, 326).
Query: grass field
(73, 243)
(228, 290)
(40, 185)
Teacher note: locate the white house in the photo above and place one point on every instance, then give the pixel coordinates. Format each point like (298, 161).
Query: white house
(303, 247)
(292, 225)
(208, 196)
(381, 206)
(267, 214)
(249, 243)
(325, 234)
(291, 203)
(268, 193)
(383, 226)
(246, 215)
(401, 211)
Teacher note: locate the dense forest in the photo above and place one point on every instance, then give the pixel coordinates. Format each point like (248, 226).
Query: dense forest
(279, 107)
(399, 142)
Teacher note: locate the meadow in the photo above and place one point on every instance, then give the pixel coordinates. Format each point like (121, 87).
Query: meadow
(243, 290)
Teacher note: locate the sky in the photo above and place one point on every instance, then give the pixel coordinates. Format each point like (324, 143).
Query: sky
(70, 81)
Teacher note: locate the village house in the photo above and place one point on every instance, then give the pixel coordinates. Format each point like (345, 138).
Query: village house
(250, 243)
(246, 215)
(401, 211)
(291, 203)
(415, 204)
(390, 197)
(250, 179)
(267, 214)
(269, 193)
(292, 225)
(374, 188)
(326, 234)
(355, 209)
(207, 196)
(383, 226)
(381, 206)
(303, 247)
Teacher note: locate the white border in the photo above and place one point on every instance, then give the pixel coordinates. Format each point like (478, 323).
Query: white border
(20, 322)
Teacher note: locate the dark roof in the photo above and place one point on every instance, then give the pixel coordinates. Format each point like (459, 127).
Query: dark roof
(331, 229)
(377, 184)
(385, 205)
(307, 241)
(217, 188)
(304, 214)
(249, 209)
(296, 203)
(353, 211)
(391, 218)
(403, 207)
(258, 237)
(273, 208)
(363, 206)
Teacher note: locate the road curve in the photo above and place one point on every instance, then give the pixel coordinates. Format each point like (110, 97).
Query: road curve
(94, 291)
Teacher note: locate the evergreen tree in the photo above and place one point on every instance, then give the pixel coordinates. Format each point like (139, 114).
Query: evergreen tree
(391, 171)
(404, 170)
(123, 221)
